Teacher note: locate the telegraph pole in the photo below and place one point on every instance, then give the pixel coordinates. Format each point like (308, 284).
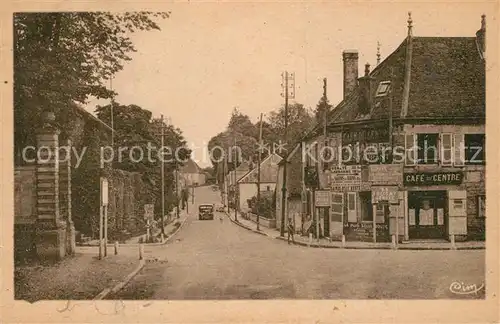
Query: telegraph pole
(162, 178)
(112, 113)
(234, 184)
(177, 187)
(286, 89)
(258, 171)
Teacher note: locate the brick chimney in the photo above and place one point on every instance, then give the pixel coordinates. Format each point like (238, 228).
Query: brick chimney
(481, 37)
(350, 58)
(365, 85)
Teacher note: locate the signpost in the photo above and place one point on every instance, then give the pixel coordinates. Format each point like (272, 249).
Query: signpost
(149, 216)
(103, 219)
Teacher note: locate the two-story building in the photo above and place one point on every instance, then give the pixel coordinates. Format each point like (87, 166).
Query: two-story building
(405, 148)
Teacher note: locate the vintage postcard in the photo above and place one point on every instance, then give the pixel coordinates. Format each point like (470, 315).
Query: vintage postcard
(224, 162)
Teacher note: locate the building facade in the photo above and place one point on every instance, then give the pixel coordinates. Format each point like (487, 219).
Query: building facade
(404, 152)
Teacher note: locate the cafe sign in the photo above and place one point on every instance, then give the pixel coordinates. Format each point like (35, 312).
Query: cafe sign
(434, 178)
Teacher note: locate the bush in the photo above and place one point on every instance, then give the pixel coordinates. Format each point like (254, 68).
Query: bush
(265, 208)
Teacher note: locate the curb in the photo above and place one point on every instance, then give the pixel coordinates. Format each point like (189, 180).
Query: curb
(382, 247)
(246, 227)
(145, 244)
(121, 284)
(171, 235)
(409, 248)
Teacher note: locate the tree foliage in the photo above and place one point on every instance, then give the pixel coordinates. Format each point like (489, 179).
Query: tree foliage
(135, 128)
(246, 134)
(323, 107)
(299, 122)
(64, 57)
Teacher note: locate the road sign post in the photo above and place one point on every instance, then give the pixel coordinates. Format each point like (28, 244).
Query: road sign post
(103, 217)
(149, 216)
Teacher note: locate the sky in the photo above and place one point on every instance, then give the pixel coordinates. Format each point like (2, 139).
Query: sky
(211, 57)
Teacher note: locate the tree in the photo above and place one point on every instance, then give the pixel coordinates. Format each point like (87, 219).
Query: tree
(242, 124)
(62, 58)
(136, 132)
(299, 122)
(322, 107)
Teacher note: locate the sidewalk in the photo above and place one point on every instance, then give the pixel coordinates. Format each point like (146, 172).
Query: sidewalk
(324, 243)
(168, 229)
(82, 276)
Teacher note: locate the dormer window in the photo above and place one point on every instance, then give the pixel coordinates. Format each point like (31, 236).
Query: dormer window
(383, 88)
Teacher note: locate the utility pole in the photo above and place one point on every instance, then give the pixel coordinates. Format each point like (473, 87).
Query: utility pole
(226, 191)
(390, 115)
(258, 171)
(162, 178)
(286, 89)
(325, 143)
(112, 113)
(177, 187)
(234, 184)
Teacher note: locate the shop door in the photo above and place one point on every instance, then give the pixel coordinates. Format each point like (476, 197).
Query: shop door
(427, 214)
(326, 221)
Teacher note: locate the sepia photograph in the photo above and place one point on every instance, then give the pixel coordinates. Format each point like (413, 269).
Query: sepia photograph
(251, 151)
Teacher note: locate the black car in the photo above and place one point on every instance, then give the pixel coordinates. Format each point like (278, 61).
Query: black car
(206, 211)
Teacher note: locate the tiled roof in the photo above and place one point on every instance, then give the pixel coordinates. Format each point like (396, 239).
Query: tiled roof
(447, 79)
(268, 171)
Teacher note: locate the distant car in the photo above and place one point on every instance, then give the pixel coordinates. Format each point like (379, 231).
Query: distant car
(221, 208)
(206, 211)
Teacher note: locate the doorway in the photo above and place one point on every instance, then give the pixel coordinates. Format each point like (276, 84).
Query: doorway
(427, 214)
(326, 221)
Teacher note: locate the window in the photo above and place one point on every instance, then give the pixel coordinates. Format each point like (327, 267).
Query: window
(474, 148)
(427, 148)
(268, 188)
(383, 88)
(481, 206)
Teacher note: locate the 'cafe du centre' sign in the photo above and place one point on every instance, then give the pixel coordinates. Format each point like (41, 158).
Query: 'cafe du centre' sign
(435, 178)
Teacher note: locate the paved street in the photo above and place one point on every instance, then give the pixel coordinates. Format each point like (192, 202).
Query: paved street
(214, 260)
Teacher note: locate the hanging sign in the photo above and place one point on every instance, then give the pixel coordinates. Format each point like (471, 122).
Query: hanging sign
(384, 194)
(322, 198)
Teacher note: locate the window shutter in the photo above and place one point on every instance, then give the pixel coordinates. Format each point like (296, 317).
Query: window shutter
(410, 149)
(457, 211)
(459, 158)
(446, 149)
(337, 211)
(352, 216)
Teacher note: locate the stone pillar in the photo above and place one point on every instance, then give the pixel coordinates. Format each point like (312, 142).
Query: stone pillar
(50, 239)
(65, 196)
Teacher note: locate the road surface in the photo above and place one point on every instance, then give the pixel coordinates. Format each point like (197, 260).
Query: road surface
(214, 260)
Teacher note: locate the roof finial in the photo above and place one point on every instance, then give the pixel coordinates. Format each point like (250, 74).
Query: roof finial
(378, 53)
(483, 21)
(410, 26)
